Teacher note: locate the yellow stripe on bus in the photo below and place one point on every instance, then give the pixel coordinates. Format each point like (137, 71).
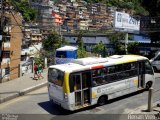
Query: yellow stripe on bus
(66, 83)
(94, 95)
(136, 82)
(126, 61)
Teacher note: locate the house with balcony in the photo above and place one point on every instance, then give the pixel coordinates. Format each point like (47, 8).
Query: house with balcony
(101, 8)
(69, 19)
(45, 12)
(92, 8)
(36, 41)
(83, 25)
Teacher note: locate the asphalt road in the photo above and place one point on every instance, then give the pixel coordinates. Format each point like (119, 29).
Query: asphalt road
(37, 102)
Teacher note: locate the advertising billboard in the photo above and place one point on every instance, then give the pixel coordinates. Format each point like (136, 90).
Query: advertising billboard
(125, 22)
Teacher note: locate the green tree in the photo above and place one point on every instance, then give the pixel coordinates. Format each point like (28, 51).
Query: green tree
(79, 41)
(50, 44)
(23, 6)
(134, 5)
(100, 49)
(133, 48)
(81, 52)
(116, 39)
(39, 60)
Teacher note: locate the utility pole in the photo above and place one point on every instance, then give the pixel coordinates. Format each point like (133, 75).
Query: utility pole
(1, 29)
(150, 99)
(1, 12)
(126, 43)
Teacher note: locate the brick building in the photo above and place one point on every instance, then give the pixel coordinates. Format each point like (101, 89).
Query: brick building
(10, 46)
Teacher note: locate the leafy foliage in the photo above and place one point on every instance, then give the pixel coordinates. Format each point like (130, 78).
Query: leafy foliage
(119, 47)
(39, 60)
(52, 42)
(116, 39)
(152, 6)
(126, 4)
(79, 41)
(133, 48)
(100, 49)
(29, 14)
(80, 52)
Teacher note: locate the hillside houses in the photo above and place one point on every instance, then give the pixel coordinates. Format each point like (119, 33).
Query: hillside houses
(75, 15)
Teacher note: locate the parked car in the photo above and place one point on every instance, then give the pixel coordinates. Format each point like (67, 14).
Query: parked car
(155, 61)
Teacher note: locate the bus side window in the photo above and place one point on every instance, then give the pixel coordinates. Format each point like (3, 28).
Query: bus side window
(99, 81)
(75, 83)
(111, 69)
(148, 68)
(127, 66)
(94, 73)
(111, 76)
(119, 68)
(71, 82)
(134, 69)
(94, 82)
(134, 65)
(86, 78)
(104, 71)
(97, 72)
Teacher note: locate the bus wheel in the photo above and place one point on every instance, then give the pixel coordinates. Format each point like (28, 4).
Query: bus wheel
(148, 85)
(102, 100)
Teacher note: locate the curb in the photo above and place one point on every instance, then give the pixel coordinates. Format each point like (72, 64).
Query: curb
(27, 90)
(2, 100)
(22, 92)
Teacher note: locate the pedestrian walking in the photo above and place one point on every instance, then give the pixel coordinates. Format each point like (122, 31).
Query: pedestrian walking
(35, 71)
(40, 71)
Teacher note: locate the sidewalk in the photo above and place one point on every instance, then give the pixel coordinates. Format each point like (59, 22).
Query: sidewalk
(20, 86)
(143, 109)
(142, 112)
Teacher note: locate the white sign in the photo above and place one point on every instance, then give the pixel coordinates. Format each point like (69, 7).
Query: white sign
(125, 22)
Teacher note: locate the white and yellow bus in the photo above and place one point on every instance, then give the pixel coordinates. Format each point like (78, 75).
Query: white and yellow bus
(88, 81)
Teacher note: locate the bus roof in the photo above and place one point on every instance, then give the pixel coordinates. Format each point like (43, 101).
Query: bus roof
(95, 62)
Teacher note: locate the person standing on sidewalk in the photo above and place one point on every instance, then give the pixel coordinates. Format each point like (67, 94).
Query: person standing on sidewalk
(35, 71)
(40, 71)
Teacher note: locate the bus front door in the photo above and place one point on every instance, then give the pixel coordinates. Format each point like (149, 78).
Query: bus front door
(141, 75)
(82, 88)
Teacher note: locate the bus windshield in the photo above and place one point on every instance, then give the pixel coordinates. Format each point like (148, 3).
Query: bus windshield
(55, 76)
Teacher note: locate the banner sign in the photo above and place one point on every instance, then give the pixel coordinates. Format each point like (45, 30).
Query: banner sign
(125, 22)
